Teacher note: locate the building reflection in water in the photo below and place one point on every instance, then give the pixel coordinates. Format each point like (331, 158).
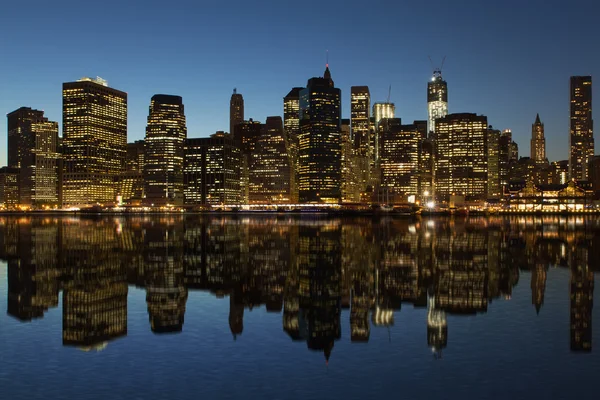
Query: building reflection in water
(308, 269)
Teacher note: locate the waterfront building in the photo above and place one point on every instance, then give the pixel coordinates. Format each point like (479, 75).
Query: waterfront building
(493, 156)
(212, 171)
(9, 187)
(538, 142)
(94, 141)
(462, 165)
(381, 110)
(581, 139)
(319, 166)
(349, 187)
(427, 171)
(364, 143)
(164, 151)
(291, 127)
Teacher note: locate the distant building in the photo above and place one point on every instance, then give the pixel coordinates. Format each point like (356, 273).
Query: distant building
(380, 111)
(506, 156)
(494, 187)
(135, 156)
(19, 135)
(399, 160)
(559, 172)
(581, 139)
(364, 143)
(594, 173)
(166, 133)
(271, 167)
(437, 98)
(350, 187)
(236, 110)
(538, 142)
(9, 187)
(319, 167)
(94, 141)
(427, 170)
(212, 171)
(462, 165)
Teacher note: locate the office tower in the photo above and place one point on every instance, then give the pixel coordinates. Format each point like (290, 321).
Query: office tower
(506, 156)
(360, 104)
(399, 160)
(291, 127)
(94, 141)
(462, 165)
(319, 166)
(421, 126)
(9, 187)
(493, 157)
(380, 111)
(559, 172)
(427, 171)
(538, 142)
(246, 136)
(19, 133)
(594, 173)
(350, 188)
(236, 110)
(212, 171)
(270, 166)
(581, 139)
(33, 140)
(165, 139)
(135, 156)
(437, 98)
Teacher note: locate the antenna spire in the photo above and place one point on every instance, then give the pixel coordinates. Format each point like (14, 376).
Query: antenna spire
(326, 58)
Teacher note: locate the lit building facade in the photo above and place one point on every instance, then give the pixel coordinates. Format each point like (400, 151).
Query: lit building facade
(581, 140)
(212, 171)
(319, 165)
(594, 173)
(506, 156)
(19, 133)
(164, 151)
(94, 141)
(462, 165)
(135, 156)
(538, 142)
(399, 160)
(291, 127)
(9, 187)
(236, 110)
(381, 111)
(350, 188)
(246, 136)
(360, 105)
(437, 98)
(559, 172)
(271, 168)
(493, 157)
(427, 170)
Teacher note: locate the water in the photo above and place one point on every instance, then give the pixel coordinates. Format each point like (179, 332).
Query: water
(287, 308)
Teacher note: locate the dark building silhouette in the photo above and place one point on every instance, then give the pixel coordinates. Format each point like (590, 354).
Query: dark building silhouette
(319, 166)
(166, 133)
(236, 110)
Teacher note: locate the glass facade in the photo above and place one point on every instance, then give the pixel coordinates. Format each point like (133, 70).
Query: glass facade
(437, 99)
(291, 127)
(364, 143)
(164, 151)
(94, 141)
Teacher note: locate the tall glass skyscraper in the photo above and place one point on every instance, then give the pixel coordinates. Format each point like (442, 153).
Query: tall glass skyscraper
(236, 110)
(437, 98)
(319, 166)
(360, 105)
(581, 140)
(94, 141)
(166, 133)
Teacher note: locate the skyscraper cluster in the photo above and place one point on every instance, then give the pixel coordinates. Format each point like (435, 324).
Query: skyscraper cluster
(310, 156)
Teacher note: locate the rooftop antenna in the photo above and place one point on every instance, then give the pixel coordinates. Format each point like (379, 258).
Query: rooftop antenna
(389, 93)
(326, 58)
(234, 90)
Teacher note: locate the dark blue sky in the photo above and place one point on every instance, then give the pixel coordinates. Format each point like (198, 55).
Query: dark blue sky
(506, 59)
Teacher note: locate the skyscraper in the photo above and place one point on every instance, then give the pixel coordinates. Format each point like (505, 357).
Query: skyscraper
(360, 132)
(506, 156)
(581, 140)
(35, 140)
(350, 189)
(270, 169)
(399, 159)
(291, 127)
(212, 171)
(236, 110)
(538, 142)
(246, 136)
(493, 158)
(437, 98)
(380, 111)
(94, 141)
(319, 167)
(462, 164)
(164, 150)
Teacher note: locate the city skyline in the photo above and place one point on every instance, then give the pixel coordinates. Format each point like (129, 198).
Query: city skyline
(508, 84)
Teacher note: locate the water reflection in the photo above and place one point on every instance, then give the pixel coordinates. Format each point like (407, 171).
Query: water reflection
(306, 269)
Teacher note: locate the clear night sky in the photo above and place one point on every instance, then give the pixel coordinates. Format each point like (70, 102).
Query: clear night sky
(506, 59)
